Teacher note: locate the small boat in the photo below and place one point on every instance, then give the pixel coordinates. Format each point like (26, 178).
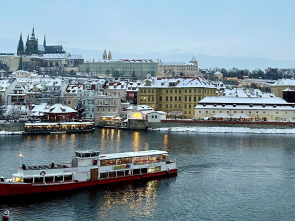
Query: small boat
(88, 168)
(5, 215)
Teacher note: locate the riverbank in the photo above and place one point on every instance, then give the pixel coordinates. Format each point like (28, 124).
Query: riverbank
(226, 130)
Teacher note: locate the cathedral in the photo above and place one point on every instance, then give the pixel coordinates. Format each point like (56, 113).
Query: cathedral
(32, 46)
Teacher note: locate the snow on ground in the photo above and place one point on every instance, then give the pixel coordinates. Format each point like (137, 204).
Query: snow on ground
(227, 130)
(2, 132)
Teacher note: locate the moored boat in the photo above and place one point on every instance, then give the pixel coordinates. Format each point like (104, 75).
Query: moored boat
(5, 215)
(88, 168)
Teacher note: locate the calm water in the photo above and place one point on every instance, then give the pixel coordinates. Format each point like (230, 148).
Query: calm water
(221, 177)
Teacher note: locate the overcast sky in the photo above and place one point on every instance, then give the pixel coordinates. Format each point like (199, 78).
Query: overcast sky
(216, 30)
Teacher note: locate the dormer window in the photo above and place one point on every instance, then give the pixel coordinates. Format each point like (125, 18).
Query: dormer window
(234, 105)
(251, 105)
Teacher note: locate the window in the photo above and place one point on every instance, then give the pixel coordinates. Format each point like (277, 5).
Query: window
(160, 98)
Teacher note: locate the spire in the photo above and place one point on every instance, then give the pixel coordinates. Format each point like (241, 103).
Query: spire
(44, 42)
(33, 34)
(104, 56)
(20, 47)
(110, 56)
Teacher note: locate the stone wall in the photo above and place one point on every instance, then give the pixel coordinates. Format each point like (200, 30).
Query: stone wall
(12, 127)
(191, 123)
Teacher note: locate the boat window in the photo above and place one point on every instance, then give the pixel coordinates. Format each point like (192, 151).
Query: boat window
(151, 170)
(68, 177)
(58, 178)
(126, 160)
(141, 160)
(112, 174)
(103, 175)
(120, 173)
(48, 179)
(38, 179)
(108, 162)
(143, 170)
(128, 172)
(157, 168)
(136, 171)
(28, 180)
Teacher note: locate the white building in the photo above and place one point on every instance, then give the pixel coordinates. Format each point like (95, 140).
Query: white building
(139, 111)
(170, 69)
(250, 108)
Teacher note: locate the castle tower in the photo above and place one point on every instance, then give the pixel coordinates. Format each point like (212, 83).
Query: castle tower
(104, 56)
(110, 56)
(32, 44)
(20, 47)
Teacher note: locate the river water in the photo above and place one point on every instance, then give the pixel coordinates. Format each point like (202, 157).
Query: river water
(221, 177)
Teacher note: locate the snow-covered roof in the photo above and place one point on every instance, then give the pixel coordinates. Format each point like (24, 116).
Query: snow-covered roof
(176, 82)
(140, 107)
(242, 100)
(59, 108)
(243, 92)
(132, 154)
(286, 82)
(288, 89)
(55, 56)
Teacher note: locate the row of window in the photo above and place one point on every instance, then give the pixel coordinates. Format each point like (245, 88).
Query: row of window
(44, 179)
(178, 106)
(257, 112)
(199, 90)
(122, 173)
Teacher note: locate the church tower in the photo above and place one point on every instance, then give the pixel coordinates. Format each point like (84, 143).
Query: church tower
(32, 44)
(20, 47)
(104, 56)
(110, 56)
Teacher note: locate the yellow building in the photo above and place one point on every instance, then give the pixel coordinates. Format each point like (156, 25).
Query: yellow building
(176, 96)
(282, 84)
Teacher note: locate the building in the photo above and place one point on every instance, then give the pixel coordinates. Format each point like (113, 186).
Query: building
(120, 68)
(282, 84)
(174, 94)
(245, 108)
(106, 106)
(32, 46)
(171, 69)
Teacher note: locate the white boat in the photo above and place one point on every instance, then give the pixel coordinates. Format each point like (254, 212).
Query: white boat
(88, 168)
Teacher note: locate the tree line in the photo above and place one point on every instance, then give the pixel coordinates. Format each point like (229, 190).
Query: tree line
(269, 73)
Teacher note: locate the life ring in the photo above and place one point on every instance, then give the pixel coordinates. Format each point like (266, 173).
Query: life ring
(42, 173)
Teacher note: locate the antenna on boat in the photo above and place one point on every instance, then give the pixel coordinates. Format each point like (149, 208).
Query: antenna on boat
(20, 156)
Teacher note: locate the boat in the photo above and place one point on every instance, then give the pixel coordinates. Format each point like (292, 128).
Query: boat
(5, 215)
(88, 168)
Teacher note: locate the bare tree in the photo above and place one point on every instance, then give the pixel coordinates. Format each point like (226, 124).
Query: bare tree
(175, 114)
(13, 113)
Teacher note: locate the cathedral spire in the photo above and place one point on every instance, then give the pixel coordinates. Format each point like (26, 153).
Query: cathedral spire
(104, 56)
(33, 34)
(44, 42)
(110, 56)
(20, 47)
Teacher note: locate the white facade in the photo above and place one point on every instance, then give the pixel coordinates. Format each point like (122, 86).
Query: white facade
(255, 108)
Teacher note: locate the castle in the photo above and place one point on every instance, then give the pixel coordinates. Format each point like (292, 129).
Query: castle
(32, 46)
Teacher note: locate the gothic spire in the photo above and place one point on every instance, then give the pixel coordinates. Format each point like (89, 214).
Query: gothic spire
(110, 56)
(44, 42)
(20, 47)
(33, 34)
(105, 56)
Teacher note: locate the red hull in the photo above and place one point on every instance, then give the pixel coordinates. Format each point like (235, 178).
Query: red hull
(9, 189)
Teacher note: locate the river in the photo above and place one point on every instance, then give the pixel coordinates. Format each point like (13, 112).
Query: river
(221, 177)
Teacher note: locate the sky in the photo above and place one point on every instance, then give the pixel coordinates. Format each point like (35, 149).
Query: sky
(219, 33)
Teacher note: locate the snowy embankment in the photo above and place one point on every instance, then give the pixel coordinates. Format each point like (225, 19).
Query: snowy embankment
(2, 132)
(226, 130)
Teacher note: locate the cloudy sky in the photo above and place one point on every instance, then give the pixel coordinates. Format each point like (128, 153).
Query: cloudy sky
(220, 33)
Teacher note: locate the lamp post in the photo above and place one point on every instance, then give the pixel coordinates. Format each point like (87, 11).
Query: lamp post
(20, 156)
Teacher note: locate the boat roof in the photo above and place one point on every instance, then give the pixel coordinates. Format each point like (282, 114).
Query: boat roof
(132, 154)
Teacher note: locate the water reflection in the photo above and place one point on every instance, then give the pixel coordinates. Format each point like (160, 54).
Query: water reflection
(165, 143)
(136, 137)
(140, 201)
